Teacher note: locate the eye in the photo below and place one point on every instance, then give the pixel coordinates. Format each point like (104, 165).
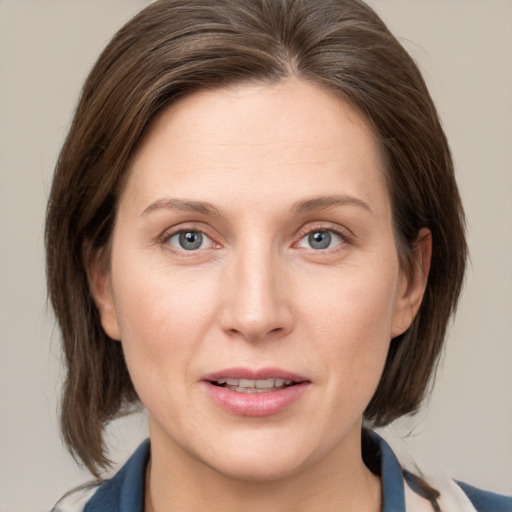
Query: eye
(189, 240)
(321, 239)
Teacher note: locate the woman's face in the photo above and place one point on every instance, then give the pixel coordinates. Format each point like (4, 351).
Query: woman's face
(254, 242)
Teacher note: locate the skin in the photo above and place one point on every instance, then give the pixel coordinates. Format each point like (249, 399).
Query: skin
(257, 294)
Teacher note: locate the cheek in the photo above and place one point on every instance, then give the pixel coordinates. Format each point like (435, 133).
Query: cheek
(152, 297)
(163, 323)
(162, 317)
(351, 322)
(356, 305)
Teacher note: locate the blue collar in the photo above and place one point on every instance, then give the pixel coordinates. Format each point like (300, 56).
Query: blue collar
(124, 492)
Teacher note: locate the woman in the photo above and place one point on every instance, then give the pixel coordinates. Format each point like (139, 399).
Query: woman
(255, 231)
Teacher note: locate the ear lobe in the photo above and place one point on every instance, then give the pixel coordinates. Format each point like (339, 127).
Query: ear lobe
(100, 287)
(412, 287)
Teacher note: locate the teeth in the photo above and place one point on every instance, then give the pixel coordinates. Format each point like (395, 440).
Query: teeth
(260, 384)
(254, 386)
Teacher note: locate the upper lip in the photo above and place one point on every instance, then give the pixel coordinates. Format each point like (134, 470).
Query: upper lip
(254, 374)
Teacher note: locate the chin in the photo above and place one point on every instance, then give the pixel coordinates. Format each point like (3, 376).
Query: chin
(260, 467)
(261, 456)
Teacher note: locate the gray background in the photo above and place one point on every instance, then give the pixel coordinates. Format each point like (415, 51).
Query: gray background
(465, 50)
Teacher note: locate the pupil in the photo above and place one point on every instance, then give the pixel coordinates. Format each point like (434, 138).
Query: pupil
(191, 240)
(320, 239)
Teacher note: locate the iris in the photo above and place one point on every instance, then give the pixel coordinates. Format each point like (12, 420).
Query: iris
(320, 239)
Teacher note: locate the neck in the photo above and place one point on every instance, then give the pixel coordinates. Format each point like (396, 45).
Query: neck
(339, 482)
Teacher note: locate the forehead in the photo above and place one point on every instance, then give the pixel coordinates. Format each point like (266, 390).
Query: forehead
(258, 138)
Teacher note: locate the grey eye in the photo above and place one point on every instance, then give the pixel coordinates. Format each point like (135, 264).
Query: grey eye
(190, 240)
(320, 239)
(187, 240)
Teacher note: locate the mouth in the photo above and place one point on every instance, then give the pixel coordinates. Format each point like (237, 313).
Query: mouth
(253, 385)
(263, 392)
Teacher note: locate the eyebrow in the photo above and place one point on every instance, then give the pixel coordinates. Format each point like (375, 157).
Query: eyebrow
(303, 206)
(169, 203)
(320, 203)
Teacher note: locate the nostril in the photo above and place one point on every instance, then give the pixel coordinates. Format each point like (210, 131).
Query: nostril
(255, 334)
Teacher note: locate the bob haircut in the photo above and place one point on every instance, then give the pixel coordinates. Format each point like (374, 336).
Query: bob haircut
(175, 47)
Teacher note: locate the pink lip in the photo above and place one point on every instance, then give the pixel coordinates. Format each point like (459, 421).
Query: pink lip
(248, 373)
(255, 404)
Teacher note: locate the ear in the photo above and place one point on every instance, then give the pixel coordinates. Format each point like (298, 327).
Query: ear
(100, 286)
(411, 288)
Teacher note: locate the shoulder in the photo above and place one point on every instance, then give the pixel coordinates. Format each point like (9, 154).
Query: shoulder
(423, 489)
(76, 499)
(124, 492)
(459, 496)
(486, 501)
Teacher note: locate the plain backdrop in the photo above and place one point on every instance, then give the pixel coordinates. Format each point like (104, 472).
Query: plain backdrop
(464, 48)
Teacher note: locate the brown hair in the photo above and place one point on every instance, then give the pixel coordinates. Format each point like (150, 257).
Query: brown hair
(174, 47)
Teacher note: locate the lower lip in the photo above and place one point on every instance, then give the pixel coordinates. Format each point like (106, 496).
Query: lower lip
(256, 404)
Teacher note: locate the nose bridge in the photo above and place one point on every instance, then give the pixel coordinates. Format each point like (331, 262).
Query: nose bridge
(256, 297)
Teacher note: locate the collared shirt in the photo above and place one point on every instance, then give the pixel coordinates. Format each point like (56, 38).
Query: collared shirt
(124, 492)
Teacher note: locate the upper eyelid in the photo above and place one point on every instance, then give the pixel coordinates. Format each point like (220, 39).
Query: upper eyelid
(186, 226)
(167, 234)
(324, 226)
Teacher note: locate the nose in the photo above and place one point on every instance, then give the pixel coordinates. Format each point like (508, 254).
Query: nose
(256, 297)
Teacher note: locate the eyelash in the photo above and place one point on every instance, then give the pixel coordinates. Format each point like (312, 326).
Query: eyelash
(343, 236)
(168, 235)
